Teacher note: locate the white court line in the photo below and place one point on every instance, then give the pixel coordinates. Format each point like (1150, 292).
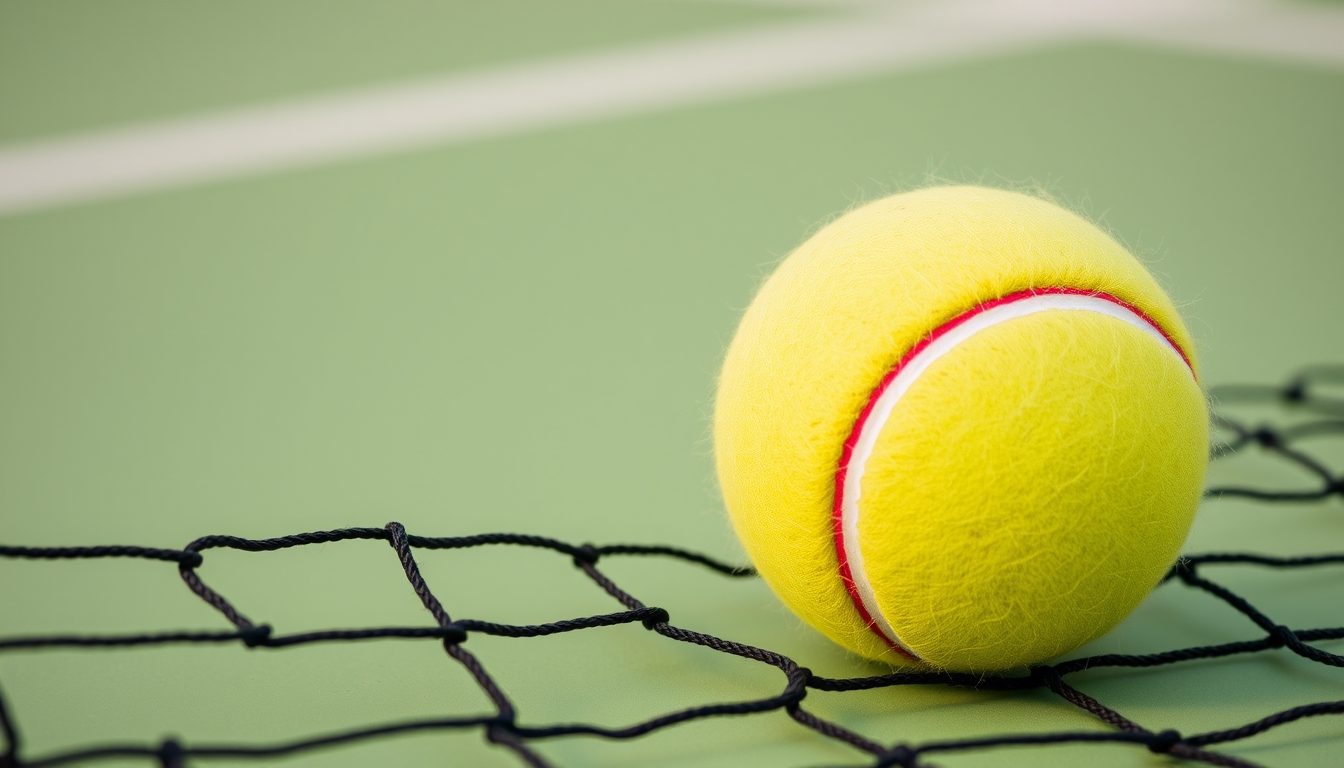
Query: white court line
(506, 100)
(1309, 35)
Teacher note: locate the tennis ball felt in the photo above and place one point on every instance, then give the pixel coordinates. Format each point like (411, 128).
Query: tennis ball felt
(961, 427)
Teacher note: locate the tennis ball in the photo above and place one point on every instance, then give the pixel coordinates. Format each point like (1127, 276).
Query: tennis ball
(961, 427)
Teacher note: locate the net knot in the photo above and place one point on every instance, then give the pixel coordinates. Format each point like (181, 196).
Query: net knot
(453, 634)
(901, 755)
(171, 754)
(1163, 741)
(799, 677)
(1267, 437)
(1282, 635)
(586, 554)
(1183, 569)
(654, 616)
(500, 730)
(1046, 675)
(190, 559)
(1295, 392)
(256, 635)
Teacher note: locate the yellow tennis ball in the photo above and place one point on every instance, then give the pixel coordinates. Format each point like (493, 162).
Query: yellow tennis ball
(961, 427)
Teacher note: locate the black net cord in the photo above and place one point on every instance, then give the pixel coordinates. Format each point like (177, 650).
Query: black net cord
(10, 756)
(502, 726)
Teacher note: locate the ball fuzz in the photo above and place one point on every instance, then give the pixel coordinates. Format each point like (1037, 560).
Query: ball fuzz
(961, 427)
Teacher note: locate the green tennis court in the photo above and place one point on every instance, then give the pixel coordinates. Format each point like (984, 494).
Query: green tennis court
(516, 328)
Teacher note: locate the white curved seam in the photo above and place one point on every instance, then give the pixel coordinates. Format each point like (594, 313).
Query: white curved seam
(903, 381)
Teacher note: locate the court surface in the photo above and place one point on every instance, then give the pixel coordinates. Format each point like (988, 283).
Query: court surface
(513, 323)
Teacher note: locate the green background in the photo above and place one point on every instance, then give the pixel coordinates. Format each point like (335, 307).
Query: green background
(522, 334)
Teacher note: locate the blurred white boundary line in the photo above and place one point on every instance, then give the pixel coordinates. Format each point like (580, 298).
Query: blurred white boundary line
(253, 140)
(1298, 34)
(461, 107)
